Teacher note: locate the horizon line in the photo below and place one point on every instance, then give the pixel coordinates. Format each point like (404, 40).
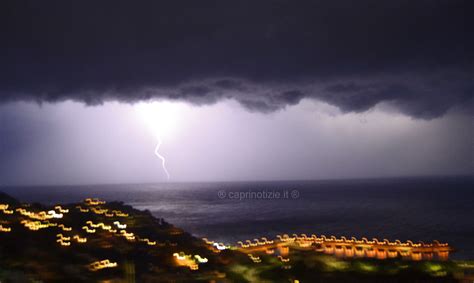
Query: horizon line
(243, 181)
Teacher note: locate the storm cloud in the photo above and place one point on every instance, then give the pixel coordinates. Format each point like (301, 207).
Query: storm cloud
(415, 55)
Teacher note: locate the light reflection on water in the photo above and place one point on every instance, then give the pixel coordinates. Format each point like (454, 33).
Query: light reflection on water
(417, 209)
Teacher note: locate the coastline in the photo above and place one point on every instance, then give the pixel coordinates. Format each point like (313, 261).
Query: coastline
(94, 241)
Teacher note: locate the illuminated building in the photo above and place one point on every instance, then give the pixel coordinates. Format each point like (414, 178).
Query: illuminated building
(349, 248)
(182, 259)
(98, 265)
(5, 229)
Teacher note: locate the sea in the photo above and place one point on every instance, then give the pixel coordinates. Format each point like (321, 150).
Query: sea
(417, 209)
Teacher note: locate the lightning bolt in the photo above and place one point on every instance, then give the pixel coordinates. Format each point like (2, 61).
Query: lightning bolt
(163, 160)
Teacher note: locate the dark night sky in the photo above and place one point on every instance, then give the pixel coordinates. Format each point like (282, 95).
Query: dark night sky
(411, 59)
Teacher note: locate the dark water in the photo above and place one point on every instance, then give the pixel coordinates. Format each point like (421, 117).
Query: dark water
(410, 208)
